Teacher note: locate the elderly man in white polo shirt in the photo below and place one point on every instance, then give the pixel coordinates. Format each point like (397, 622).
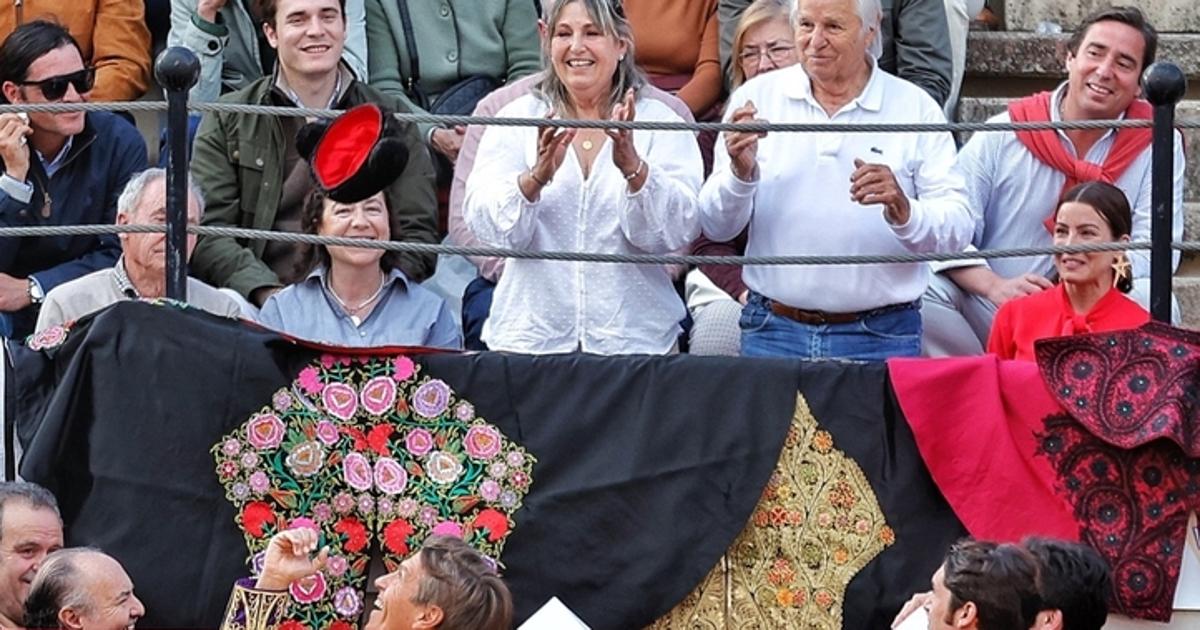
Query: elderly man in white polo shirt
(836, 193)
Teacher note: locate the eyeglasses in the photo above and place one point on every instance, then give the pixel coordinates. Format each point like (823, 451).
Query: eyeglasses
(55, 88)
(776, 54)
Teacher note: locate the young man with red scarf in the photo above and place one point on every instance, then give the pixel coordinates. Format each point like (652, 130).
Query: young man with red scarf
(1015, 179)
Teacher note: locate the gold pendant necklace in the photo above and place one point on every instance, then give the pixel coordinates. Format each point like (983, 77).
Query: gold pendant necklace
(587, 145)
(353, 311)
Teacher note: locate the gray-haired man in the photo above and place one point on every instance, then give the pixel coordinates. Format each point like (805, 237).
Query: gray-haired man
(140, 272)
(30, 528)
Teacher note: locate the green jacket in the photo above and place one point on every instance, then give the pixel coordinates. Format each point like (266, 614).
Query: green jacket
(238, 162)
(456, 39)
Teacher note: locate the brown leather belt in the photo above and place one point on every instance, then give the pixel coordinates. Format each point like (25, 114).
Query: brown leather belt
(821, 317)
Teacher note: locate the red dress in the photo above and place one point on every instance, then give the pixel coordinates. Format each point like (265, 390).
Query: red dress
(1022, 321)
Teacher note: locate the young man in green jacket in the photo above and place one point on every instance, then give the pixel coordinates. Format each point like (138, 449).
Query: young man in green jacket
(252, 175)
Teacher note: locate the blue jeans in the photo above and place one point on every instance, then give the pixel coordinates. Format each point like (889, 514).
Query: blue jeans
(476, 305)
(894, 333)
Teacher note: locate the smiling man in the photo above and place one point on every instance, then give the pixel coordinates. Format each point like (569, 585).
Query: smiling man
(30, 528)
(141, 270)
(58, 169)
(82, 589)
(835, 194)
(253, 176)
(1015, 179)
(445, 585)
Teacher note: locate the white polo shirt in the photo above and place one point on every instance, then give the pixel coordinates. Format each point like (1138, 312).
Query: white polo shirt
(801, 203)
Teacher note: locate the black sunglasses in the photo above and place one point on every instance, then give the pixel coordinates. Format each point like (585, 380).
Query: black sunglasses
(55, 88)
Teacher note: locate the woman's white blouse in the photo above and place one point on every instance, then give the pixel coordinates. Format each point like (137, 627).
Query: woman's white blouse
(543, 307)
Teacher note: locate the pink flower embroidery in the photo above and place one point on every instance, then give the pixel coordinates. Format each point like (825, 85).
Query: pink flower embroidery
(390, 476)
(378, 395)
(231, 447)
(489, 490)
(281, 400)
(357, 472)
(407, 507)
(447, 528)
(443, 468)
(340, 400)
(336, 565)
(259, 482)
(343, 502)
(309, 589)
(306, 523)
(306, 459)
(322, 512)
(327, 432)
(418, 442)
(346, 602)
(265, 431)
(431, 399)
(482, 442)
(464, 411)
(48, 338)
(403, 368)
(310, 380)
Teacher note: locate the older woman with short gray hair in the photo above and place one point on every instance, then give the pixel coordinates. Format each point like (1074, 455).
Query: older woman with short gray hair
(611, 190)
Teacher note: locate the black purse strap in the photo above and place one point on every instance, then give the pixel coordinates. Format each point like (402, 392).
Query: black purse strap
(412, 85)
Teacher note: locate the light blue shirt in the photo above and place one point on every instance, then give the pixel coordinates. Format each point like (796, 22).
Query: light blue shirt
(407, 314)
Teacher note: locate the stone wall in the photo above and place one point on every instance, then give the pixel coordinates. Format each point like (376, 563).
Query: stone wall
(1166, 15)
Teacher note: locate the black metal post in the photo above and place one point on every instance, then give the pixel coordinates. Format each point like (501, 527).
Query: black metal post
(177, 70)
(1164, 85)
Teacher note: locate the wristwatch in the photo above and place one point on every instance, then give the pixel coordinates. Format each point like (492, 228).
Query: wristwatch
(36, 295)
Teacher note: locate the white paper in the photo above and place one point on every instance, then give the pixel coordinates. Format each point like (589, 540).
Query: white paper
(918, 620)
(554, 615)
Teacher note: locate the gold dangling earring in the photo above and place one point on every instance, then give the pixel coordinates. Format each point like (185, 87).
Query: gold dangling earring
(1121, 269)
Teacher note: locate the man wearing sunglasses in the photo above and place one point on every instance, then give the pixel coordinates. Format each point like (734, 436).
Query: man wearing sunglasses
(63, 168)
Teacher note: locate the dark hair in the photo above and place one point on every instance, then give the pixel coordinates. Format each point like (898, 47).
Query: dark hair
(1000, 579)
(464, 585)
(30, 494)
(28, 43)
(1131, 16)
(310, 220)
(1075, 580)
(1112, 205)
(55, 587)
(268, 8)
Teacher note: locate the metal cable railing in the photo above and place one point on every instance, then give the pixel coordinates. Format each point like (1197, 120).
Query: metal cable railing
(642, 259)
(275, 110)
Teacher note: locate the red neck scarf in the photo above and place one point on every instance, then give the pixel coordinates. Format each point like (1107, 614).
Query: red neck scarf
(1046, 146)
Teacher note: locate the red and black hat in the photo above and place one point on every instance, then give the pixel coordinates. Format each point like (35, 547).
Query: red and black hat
(356, 154)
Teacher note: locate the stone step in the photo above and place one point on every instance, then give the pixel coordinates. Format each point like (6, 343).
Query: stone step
(1191, 224)
(1186, 289)
(1025, 55)
(977, 109)
(1165, 15)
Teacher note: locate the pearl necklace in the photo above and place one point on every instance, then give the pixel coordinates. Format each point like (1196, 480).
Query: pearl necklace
(352, 311)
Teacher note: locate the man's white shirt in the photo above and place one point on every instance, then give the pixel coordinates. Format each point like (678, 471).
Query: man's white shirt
(801, 204)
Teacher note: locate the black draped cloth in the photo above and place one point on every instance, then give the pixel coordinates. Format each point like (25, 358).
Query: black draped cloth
(647, 467)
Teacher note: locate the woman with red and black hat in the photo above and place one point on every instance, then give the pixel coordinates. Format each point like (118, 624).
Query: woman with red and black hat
(355, 296)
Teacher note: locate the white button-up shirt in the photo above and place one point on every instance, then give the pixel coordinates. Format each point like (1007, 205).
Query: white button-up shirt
(1012, 192)
(543, 306)
(801, 203)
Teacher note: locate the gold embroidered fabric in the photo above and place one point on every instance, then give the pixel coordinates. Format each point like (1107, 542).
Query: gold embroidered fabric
(817, 524)
(252, 609)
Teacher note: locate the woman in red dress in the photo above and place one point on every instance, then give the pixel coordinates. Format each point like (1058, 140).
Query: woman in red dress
(1089, 296)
